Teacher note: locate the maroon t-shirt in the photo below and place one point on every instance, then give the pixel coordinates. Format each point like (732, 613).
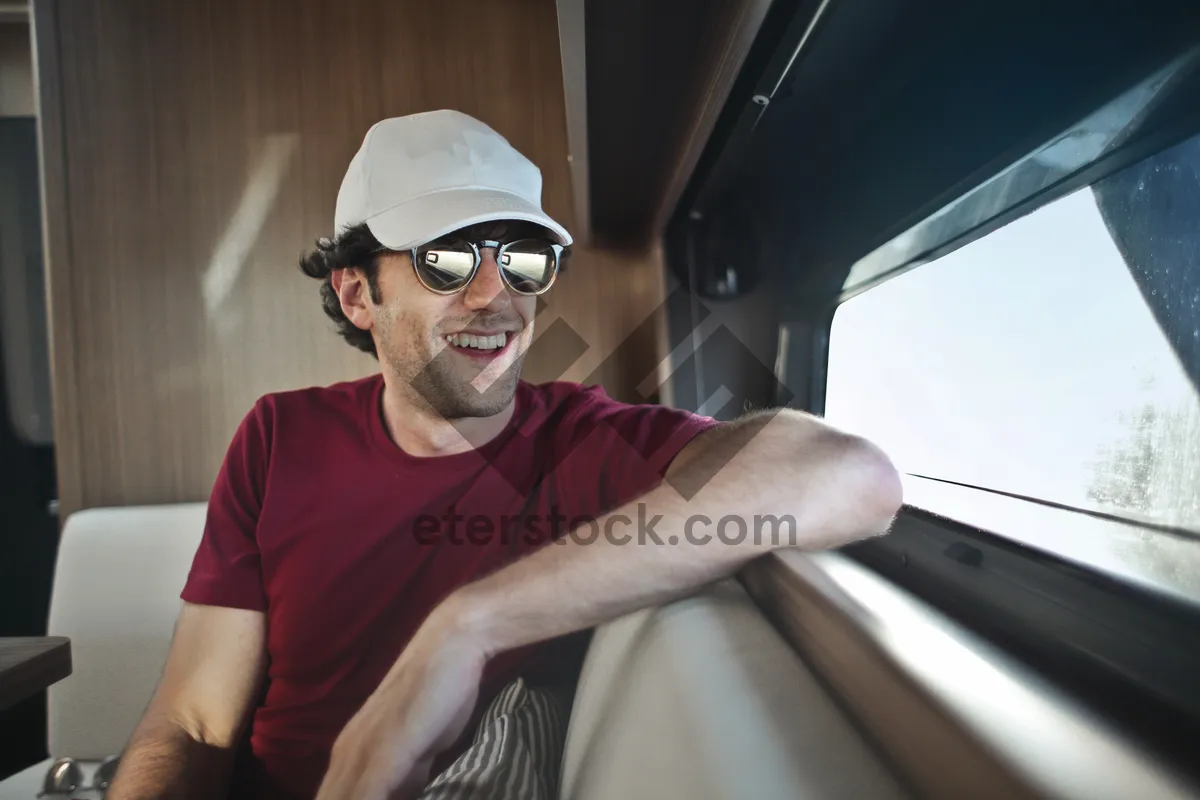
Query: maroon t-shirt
(347, 542)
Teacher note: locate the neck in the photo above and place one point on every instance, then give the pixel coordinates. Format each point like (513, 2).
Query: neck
(420, 431)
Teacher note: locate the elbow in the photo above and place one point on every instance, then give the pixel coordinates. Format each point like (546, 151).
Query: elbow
(840, 487)
(869, 490)
(882, 489)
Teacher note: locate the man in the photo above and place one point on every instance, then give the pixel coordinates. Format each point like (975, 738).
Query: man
(377, 562)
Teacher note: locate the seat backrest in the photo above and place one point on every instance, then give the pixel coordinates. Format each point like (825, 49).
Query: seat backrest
(704, 699)
(116, 595)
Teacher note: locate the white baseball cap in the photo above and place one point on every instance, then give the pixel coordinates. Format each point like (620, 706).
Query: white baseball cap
(419, 177)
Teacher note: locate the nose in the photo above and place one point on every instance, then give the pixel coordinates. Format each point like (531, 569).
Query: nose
(487, 290)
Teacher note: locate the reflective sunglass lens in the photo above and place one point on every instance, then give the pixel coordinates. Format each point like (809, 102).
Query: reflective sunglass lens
(445, 266)
(529, 265)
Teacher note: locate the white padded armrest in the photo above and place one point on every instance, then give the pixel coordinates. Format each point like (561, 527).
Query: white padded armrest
(26, 784)
(116, 595)
(704, 699)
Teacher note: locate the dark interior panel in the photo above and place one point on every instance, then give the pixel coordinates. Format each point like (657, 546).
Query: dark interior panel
(26, 464)
(890, 111)
(651, 68)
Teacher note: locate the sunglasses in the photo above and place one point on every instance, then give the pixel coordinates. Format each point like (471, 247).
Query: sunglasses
(527, 266)
(66, 775)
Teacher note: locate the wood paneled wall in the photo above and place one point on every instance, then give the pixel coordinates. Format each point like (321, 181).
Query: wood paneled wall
(194, 149)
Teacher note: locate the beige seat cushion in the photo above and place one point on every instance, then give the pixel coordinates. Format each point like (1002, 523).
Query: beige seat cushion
(116, 595)
(703, 699)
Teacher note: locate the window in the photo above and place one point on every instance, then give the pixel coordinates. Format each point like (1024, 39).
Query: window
(1047, 369)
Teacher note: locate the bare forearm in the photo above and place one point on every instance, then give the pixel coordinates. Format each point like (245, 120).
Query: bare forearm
(768, 482)
(163, 761)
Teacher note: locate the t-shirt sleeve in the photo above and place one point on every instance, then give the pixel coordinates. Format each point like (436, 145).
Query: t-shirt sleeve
(227, 568)
(623, 450)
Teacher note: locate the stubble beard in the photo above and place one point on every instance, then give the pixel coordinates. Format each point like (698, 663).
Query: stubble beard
(441, 381)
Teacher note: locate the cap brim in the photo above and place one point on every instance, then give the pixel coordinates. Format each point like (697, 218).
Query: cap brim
(431, 216)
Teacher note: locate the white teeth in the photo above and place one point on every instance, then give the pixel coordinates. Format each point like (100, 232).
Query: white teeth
(477, 342)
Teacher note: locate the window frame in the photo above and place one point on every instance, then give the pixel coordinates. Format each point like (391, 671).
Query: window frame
(1039, 606)
(1170, 123)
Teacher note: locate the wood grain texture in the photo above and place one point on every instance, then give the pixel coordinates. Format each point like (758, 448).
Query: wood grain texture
(195, 149)
(31, 664)
(56, 249)
(572, 43)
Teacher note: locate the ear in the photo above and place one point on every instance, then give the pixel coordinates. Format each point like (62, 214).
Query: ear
(350, 285)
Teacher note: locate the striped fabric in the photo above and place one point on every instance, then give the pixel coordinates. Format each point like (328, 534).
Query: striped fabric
(517, 750)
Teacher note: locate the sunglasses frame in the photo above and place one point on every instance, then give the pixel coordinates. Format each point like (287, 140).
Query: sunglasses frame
(476, 247)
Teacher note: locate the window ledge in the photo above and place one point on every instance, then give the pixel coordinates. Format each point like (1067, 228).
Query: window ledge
(953, 715)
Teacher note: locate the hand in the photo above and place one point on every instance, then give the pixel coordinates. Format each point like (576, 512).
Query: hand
(419, 709)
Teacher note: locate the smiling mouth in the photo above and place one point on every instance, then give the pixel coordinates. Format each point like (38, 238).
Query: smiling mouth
(479, 347)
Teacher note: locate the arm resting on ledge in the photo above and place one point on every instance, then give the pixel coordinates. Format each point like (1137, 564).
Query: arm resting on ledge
(838, 488)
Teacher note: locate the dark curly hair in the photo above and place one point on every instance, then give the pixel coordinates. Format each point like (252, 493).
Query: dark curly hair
(353, 247)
